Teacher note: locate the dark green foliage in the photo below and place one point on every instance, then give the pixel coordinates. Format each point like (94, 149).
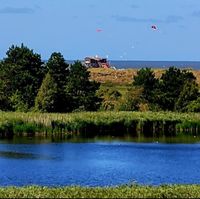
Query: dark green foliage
(5, 85)
(171, 85)
(173, 91)
(21, 75)
(45, 100)
(81, 91)
(55, 87)
(65, 89)
(110, 98)
(51, 96)
(189, 93)
(146, 78)
(6, 129)
(132, 99)
(58, 69)
(17, 102)
(194, 106)
(24, 128)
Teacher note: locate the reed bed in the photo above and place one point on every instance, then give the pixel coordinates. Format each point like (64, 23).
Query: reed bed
(126, 191)
(101, 123)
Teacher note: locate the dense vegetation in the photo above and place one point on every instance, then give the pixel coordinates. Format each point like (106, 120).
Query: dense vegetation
(28, 84)
(91, 124)
(132, 191)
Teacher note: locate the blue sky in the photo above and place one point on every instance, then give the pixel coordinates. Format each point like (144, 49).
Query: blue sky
(70, 27)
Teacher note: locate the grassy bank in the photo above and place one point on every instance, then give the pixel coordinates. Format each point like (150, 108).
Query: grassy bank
(121, 77)
(101, 123)
(135, 191)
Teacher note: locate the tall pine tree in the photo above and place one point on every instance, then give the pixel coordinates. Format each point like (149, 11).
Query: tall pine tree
(51, 96)
(80, 90)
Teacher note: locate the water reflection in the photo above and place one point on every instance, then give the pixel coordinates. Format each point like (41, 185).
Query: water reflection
(77, 139)
(17, 155)
(21, 155)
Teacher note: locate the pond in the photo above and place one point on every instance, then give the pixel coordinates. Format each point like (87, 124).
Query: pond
(99, 162)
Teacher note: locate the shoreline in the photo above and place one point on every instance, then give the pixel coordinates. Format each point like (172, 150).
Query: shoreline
(89, 124)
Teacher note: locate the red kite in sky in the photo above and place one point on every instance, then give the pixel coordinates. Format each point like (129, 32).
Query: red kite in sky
(99, 30)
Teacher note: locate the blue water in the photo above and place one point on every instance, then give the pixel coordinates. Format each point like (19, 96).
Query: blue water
(99, 163)
(155, 64)
(123, 64)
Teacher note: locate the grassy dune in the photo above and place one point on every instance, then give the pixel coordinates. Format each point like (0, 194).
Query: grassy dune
(122, 77)
(134, 191)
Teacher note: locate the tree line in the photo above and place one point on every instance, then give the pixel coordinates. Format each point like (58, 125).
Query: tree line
(176, 90)
(29, 84)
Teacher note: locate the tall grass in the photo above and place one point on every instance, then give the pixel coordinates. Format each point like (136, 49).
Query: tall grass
(101, 123)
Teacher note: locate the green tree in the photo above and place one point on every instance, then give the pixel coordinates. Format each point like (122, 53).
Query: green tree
(194, 106)
(5, 87)
(58, 69)
(171, 85)
(45, 100)
(146, 78)
(132, 99)
(189, 93)
(22, 73)
(51, 96)
(110, 98)
(80, 90)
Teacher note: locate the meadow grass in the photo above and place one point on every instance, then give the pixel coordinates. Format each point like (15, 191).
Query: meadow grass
(132, 191)
(122, 89)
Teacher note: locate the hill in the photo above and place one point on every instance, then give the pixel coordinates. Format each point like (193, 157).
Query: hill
(125, 76)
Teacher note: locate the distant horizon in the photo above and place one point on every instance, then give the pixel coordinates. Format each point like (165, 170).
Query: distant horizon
(136, 60)
(125, 64)
(122, 60)
(130, 60)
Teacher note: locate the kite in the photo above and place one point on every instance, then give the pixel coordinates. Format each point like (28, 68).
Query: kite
(99, 30)
(154, 27)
